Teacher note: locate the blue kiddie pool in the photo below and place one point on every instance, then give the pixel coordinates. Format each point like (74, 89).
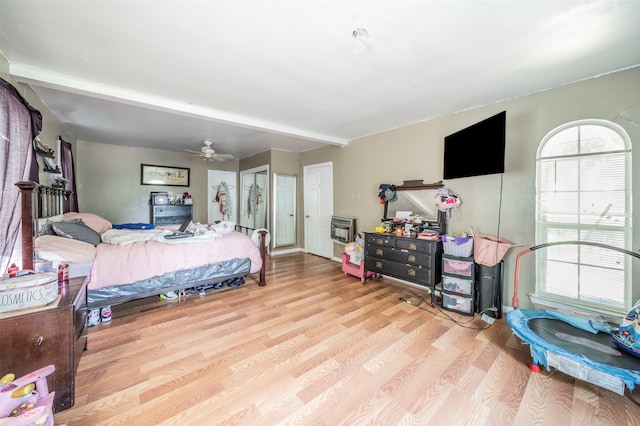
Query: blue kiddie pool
(577, 345)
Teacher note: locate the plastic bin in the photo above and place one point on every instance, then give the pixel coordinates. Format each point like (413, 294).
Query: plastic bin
(457, 303)
(457, 285)
(457, 246)
(460, 266)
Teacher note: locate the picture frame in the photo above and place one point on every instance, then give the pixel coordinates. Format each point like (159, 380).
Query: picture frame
(151, 174)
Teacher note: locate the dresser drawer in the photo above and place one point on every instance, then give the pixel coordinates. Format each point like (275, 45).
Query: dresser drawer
(399, 270)
(172, 210)
(383, 252)
(170, 220)
(415, 244)
(171, 214)
(381, 240)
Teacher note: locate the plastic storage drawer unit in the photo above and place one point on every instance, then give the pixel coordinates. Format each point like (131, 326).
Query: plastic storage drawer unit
(460, 266)
(457, 285)
(457, 303)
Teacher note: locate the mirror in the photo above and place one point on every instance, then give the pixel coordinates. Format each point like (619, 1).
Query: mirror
(284, 210)
(417, 198)
(254, 197)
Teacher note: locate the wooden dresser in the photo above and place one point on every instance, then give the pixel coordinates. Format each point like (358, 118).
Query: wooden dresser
(58, 336)
(171, 214)
(407, 258)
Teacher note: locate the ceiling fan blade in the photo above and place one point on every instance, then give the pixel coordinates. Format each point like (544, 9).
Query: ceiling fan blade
(224, 157)
(195, 152)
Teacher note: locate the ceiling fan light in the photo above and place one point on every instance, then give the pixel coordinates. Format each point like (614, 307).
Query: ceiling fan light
(360, 33)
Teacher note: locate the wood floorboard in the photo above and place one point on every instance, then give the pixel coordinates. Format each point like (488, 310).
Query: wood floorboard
(317, 347)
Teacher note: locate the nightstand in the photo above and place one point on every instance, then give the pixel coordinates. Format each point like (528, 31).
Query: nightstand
(56, 335)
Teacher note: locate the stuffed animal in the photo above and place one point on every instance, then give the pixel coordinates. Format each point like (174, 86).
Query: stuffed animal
(355, 252)
(446, 200)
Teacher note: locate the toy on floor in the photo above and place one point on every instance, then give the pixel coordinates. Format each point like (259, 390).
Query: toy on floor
(353, 261)
(27, 400)
(627, 337)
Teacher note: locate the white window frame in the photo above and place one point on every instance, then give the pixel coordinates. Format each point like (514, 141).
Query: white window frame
(580, 258)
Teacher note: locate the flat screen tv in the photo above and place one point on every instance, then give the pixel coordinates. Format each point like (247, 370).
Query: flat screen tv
(477, 150)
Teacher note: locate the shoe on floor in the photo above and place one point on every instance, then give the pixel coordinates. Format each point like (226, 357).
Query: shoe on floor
(105, 314)
(170, 295)
(94, 317)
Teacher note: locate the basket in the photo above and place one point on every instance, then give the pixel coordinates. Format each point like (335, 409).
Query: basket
(490, 249)
(457, 246)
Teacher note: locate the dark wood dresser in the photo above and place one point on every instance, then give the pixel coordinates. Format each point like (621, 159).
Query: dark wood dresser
(58, 336)
(407, 258)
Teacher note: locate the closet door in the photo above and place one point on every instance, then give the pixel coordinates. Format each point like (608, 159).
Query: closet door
(254, 197)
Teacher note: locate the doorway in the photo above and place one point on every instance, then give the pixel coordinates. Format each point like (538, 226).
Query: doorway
(284, 210)
(318, 209)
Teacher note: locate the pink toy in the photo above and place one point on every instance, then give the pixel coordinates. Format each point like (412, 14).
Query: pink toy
(355, 270)
(34, 408)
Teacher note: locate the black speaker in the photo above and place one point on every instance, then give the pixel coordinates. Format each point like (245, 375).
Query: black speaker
(489, 289)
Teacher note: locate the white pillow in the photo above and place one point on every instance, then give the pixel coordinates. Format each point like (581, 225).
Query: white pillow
(93, 221)
(56, 249)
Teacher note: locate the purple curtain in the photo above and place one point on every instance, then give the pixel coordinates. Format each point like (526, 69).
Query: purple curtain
(19, 124)
(69, 172)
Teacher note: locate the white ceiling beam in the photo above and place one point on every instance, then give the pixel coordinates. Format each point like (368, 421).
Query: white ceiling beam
(48, 79)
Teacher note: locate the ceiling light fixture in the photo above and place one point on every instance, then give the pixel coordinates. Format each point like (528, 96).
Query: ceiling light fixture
(363, 40)
(360, 34)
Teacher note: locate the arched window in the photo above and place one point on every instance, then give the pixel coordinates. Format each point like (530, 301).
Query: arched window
(583, 193)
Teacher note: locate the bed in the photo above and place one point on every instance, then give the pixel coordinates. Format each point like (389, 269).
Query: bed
(134, 263)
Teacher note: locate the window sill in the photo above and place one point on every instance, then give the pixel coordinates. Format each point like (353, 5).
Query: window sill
(546, 301)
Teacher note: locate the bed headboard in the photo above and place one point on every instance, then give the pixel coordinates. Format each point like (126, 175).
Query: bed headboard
(38, 201)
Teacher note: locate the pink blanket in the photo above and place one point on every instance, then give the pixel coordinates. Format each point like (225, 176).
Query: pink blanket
(126, 264)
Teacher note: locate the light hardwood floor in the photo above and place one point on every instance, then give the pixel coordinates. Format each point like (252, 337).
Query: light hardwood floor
(316, 347)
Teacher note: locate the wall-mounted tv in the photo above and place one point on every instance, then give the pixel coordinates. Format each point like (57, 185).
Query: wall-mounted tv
(476, 150)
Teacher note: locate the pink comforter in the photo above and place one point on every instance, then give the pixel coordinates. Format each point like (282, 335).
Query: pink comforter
(126, 264)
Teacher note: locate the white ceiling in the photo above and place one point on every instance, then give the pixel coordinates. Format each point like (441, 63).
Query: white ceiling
(288, 75)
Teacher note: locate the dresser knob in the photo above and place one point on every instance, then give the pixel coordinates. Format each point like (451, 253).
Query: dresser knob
(39, 340)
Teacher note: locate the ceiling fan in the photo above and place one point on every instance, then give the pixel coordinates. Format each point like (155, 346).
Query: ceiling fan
(208, 153)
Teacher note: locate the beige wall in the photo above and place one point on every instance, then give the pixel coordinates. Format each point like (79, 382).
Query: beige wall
(109, 180)
(416, 151)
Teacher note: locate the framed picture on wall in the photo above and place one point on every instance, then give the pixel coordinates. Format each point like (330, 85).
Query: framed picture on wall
(151, 174)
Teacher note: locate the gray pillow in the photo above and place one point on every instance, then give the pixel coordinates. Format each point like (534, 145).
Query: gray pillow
(76, 231)
(48, 230)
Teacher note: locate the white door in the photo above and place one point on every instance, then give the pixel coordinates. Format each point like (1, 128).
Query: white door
(318, 208)
(285, 210)
(214, 213)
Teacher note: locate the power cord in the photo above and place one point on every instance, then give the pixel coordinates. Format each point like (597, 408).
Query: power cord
(441, 313)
